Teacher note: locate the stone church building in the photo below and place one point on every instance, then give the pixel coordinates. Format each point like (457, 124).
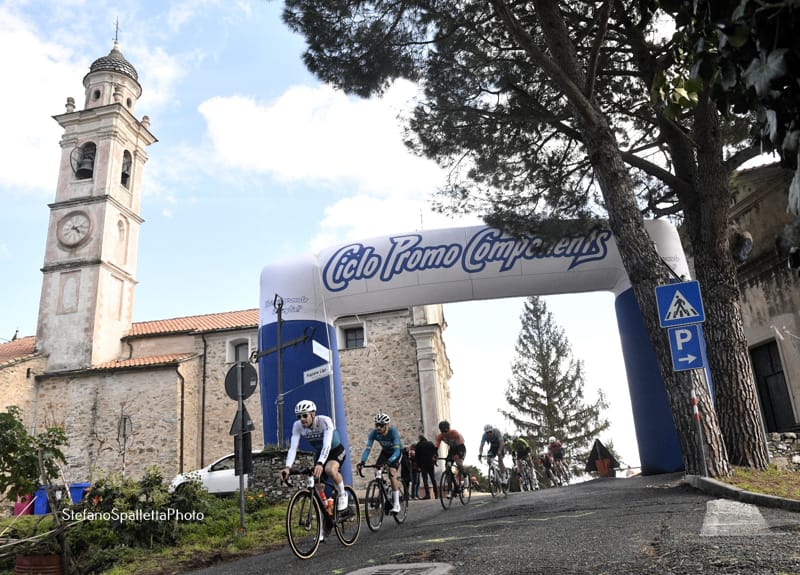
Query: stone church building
(131, 395)
(769, 280)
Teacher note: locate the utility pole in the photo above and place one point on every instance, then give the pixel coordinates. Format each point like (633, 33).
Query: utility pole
(278, 348)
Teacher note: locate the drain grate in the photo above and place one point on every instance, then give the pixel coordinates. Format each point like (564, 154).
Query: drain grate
(406, 569)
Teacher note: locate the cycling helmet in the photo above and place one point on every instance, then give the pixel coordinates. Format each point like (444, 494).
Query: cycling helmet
(551, 439)
(488, 427)
(381, 417)
(304, 406)
(444, 426)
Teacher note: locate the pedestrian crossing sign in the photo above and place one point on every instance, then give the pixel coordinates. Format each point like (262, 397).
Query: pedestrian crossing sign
(679, 304)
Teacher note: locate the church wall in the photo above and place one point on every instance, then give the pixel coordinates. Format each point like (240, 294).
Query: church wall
(161, 345)
(770, 292)
(89, 408)
(187, 409)
(18, 388)
(382, 375)
(220, 409)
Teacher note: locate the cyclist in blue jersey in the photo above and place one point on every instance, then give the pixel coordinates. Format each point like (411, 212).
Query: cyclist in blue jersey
(391, 453)
(321, 433)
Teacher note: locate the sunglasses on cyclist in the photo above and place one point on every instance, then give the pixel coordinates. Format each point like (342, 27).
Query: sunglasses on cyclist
(303, 415)
(378, 425)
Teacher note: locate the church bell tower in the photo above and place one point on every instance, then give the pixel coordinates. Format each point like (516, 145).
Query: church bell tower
(89, 267)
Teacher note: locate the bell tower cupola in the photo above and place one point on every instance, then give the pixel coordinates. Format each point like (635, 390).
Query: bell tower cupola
(89, 270)
(112, 79)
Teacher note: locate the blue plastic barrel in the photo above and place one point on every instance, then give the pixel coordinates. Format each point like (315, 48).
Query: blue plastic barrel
(77, 491)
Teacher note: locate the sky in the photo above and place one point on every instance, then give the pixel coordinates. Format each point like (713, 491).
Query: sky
(256, 161)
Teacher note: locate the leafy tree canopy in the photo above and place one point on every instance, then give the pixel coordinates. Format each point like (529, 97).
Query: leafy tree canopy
(19, 454)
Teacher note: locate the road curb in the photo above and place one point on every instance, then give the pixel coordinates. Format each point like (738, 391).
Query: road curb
(722, 489)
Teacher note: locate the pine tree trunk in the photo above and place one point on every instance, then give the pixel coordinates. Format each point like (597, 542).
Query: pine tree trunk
(646, 271)
(735, 394)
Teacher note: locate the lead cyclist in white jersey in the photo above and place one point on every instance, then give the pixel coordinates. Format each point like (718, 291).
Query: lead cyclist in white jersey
(321, 433)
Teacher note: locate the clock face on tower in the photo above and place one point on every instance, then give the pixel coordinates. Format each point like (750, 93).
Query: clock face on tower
(74, 228)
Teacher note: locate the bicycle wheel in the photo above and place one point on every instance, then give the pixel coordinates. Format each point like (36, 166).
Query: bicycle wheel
(504, 482)
(374, 504)
(465, 494)
(532, 481)
(494, 484)
(400, 517)
(446, 489)
(348, 521)
(565, 474)
(522, 480)
(303, 524)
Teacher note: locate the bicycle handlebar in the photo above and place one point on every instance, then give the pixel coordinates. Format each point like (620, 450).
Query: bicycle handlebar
(361, 466)
(304, 471)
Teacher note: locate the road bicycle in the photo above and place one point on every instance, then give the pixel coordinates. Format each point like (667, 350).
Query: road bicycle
(449, 487)
(498, 483)
(378, 500)
(527, 477)
(309, 519)
(549, 476)
(561, 469)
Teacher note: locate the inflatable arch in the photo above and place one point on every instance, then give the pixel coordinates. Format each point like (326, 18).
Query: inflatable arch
(442, 266)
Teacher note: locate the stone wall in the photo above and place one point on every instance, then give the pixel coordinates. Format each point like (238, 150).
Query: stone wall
(266, 473)
(784, 450)
(18, 386)
(89, 409)
(217, 414)
(382, 375)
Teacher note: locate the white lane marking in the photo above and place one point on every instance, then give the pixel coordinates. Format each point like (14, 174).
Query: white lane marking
(725, 517)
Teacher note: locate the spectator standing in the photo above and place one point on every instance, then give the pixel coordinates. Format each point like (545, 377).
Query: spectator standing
(412, 457)
(425, 456)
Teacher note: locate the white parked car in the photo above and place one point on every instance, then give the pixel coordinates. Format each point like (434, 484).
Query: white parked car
(218, 478)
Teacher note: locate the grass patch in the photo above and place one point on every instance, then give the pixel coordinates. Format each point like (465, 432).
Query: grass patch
(199, 544)
(770, 481)
(211, 541)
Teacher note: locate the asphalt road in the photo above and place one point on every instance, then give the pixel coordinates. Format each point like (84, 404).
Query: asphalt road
(655, 525)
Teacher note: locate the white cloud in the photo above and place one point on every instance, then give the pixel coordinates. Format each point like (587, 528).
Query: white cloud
(320, 137)
(35, 86)
(319, 134)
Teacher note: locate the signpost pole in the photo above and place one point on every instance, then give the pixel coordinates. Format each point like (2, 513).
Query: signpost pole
(241, 443)
(278, 305)
(680, 309)
(696, 415)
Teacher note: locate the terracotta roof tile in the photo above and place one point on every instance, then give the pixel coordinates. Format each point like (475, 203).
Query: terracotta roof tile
(17, 349)
(26, 346)
(152, 361)
(199, 323)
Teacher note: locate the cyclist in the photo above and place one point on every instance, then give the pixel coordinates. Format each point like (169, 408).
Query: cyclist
(391, 453)
(455, 444)
(557, 453)
(521, 452)
(323, 436)
(497, 448)
(546, 461)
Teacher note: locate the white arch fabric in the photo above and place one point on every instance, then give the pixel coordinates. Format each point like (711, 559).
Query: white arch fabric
(450, 265)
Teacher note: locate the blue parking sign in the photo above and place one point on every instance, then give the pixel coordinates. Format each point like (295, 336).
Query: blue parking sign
(685, 343)
(679, 304)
